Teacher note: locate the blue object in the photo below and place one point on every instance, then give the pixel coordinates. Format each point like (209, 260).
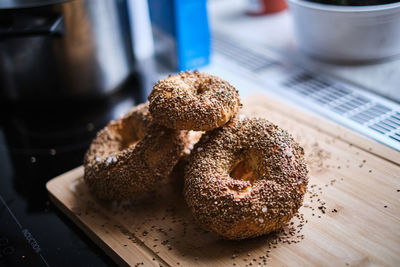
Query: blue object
(181, 32)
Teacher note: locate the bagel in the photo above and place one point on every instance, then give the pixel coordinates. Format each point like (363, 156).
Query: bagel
(130, 155)
(193, 101)
(178, 172)
(245, 179)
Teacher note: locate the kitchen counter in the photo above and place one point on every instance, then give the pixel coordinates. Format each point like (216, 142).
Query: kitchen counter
(276, 31)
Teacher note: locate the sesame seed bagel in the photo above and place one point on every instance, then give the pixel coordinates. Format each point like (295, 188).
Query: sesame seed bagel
(245, 179)
(178, 172)
(130, 155)
(193, 101)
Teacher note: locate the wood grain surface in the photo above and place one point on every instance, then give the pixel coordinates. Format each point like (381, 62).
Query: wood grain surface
(350, 217)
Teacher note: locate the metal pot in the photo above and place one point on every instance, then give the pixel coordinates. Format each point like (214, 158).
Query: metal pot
(54, 48)
(349, 34)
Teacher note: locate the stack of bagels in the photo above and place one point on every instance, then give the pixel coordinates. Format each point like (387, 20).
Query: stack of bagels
(245, 177)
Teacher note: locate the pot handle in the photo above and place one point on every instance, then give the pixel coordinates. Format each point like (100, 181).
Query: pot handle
(55, 27)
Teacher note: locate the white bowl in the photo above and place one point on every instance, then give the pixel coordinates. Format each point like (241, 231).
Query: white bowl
(347, 33)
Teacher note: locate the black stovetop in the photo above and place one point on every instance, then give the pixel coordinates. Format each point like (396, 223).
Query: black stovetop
(37, 143)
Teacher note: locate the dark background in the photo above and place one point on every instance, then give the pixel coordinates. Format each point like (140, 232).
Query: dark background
(38, 141)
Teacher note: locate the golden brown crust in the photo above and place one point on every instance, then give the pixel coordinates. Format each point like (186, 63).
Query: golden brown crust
(130, 155)
(193, 101)
(178, 173)
(245, 179)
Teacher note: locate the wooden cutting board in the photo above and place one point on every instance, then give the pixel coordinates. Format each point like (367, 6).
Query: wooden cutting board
(351, 213)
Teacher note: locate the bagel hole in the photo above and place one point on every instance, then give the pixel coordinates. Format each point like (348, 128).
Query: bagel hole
(242, 171)
(129, 135)
(201, 88)
(129, 143)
